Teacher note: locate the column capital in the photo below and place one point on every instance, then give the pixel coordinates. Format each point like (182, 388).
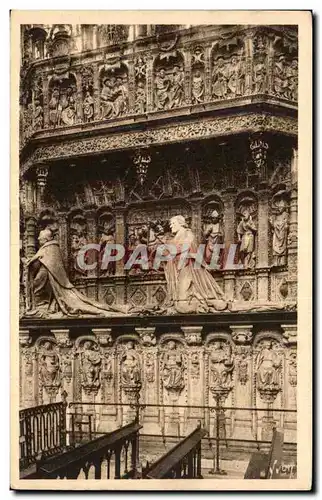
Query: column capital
(62, 337)
(289, 334)
(147, 335)
(192, 334)
(24, 338)
(242, 334)
(103, 335)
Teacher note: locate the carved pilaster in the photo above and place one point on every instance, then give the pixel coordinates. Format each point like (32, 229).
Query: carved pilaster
(196, 218)
(45, 101)
(149, 83)
(79, 98)
(96, 91)
(91, 237)
(248, 63)
(42, 174)
(119, 237)
(229, 281)
(187, 77)
(63, 237)
(208, 73)
(229, 221)
(192, 334)
(131, 81)
(30, 237)
(262, 236)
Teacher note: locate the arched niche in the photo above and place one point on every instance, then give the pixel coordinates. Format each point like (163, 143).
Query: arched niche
(38, 36)
(77, 238)
(246, 207)
(62, 102)
(114, 91)
(285, 69)
(228, 69)
(168, 71)
(213, 232)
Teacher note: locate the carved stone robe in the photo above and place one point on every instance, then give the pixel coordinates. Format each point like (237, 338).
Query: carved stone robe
(49, 289)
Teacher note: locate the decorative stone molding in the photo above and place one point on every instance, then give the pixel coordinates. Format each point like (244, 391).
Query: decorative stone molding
(289, 334)
(242, 334)
(62, 337)
(220, 126)
(192, 334)
(103, 336)
(147, 336)
(24, 338)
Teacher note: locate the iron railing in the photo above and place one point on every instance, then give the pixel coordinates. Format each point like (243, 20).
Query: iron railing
(42, 432)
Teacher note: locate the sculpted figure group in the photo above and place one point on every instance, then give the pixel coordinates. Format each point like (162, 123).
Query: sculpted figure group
(114, 97)
(169, 88)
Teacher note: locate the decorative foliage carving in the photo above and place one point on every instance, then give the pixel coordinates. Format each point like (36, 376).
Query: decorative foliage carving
(140, 84)
(242, 334)
(192, 334)
(147, 336)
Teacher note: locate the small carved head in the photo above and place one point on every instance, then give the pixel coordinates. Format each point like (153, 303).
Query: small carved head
(44, 236)
(130, 344)
(177, 222)
(87, 345)
(171, 345)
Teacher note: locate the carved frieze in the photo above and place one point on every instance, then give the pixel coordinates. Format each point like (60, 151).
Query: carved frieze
(198, 130)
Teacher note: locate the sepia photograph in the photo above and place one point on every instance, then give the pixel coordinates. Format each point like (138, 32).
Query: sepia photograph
(157, 210)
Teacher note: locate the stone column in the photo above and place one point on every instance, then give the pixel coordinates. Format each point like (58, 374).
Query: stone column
(30, 236)
(63, 237)
(96, 91)
(79, 98)
(229, 239)
(187, 77)
(196, 218)
(131, 80)
(248, 62)
(208, 76)
(262, 244)
(149, 83)
(120, 236)
(292, 235)
(27, 373)
(91, 282)
(45, 93)
(42, 173)
(65, 347)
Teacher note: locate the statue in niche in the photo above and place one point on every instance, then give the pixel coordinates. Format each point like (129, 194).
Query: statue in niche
(88, 107)
(236, 77)
(173, 368)
(191, 288)
(107, 238)
(121, 101)
(260, 74)
(268, 367)
(130, 366)
(246, 231)
(162, 92)
(177, 89)
(221, 365)
(107, 100)
(67, 108)
(78, 241)
(91, 363)
(49, 366)
(198, 88)
(48, 289)
(140, 100)
(38, 115)
(149, 368)
(279, 224)
(213, 234)
(53, 107)
(220, 79)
